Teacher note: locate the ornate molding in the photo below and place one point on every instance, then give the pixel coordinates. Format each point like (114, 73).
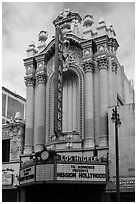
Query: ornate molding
(41, 65)
(30, 69)
(102, 62)
(88, 66)
(29, 80)
(30, 65)
(76, 39)
(49, 47)
(106, 44)
(50, 108)
(41, 78)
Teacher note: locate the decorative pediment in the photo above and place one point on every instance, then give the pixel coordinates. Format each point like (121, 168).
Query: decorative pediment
(50, 49)
(66, 16)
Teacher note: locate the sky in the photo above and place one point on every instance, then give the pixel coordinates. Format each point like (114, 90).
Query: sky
(22, 22)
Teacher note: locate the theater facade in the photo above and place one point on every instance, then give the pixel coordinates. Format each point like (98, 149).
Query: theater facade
(72, 84)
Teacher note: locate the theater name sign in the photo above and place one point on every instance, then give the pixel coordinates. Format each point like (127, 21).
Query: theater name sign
(67, 169)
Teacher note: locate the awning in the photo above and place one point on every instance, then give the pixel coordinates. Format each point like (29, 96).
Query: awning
(125, 186)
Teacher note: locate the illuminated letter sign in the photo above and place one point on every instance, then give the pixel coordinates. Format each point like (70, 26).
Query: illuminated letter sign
(58, 86)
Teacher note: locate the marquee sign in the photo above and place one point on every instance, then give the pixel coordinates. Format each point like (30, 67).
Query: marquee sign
(27, 175)
(45, 172)
(81, 172)
(58, 86)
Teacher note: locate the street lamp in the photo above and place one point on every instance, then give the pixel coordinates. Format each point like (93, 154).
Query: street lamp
(116, 119)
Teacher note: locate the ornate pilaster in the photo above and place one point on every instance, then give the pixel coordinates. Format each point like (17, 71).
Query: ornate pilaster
(40, 103)
(110, 83)
(30, 66)
(88, 68)
(114, 65)
(114, 75)
(102, 62)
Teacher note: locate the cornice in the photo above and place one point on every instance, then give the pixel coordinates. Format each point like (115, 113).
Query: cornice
(105, 39)
(29, 61)
(101, 39)
(87, 43)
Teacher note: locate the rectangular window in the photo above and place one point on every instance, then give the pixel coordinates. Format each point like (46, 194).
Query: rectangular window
(3, 104)
(5, 150)
(13, 107)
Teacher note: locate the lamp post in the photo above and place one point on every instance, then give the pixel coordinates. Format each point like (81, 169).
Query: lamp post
(116, 119)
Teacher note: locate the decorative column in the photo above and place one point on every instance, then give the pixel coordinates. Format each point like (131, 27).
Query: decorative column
(114, 72)
(89, 112)
(40, 104)
(110, 83)
(103, 76)
(96, 104)
(30, 65)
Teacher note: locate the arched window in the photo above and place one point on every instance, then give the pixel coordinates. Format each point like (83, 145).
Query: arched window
(70, 120)
(72, 103)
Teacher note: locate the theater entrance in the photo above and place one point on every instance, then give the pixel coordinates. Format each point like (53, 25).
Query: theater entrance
(64, 193)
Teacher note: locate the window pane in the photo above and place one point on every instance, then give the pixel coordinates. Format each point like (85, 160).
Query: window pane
(5, 150)
(13, 107)
(3, 104)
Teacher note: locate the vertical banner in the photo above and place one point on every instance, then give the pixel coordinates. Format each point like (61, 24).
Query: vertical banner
(58, 86)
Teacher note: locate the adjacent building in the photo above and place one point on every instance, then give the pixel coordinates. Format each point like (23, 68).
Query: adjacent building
(11, 103)
(13, 132)
(72, 85)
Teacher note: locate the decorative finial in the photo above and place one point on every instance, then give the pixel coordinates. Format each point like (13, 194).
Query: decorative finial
(88, 21)
(43, 36)
(32, 44)
(65, 13)
(31, 50)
